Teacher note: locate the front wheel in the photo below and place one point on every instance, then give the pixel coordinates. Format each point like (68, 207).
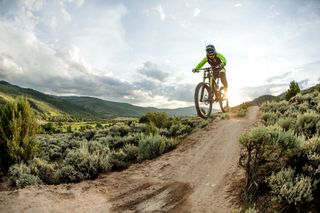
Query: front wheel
(203, 100)
(223, 101)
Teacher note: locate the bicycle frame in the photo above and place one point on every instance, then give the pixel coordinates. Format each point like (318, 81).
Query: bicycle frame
(212, 81)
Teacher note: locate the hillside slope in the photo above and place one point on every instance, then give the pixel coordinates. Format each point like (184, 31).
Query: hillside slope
(80, 107)
(195, 177)
(47, 105)
(112, 109)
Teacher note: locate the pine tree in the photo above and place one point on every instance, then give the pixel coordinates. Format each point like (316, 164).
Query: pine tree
(293, 90)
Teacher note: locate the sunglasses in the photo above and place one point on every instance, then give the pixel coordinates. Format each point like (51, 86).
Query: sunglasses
(211, 55)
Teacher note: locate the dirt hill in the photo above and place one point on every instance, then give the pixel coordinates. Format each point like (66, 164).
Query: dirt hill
(196, 177)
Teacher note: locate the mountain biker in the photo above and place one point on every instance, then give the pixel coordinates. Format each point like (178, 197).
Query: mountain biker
(217, 62)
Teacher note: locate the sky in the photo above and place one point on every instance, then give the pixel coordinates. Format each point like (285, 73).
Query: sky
(142, 52)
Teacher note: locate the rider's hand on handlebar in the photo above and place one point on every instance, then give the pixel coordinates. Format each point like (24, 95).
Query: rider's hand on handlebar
(194, 70)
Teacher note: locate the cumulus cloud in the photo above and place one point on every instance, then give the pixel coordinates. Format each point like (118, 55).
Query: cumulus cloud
(71, 71)
(74, 60)
(278, 77)
(303, 84)
(50, 67)
(90, 85)
(65, 46)
(151, 70)
(8, 68)
(169, 91)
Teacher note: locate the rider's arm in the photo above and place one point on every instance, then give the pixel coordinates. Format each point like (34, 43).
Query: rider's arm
(200, 65)
(222, 59)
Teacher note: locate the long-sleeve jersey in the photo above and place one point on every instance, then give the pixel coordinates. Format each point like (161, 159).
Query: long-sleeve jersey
(213, 62)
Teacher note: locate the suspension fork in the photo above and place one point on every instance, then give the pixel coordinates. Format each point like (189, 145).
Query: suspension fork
(205, 76)
(211, 85)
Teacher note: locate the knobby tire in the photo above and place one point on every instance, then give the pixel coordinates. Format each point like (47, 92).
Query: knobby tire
(200, 88)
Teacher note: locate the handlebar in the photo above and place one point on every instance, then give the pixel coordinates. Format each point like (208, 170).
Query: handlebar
(205, 69)
(208, 69)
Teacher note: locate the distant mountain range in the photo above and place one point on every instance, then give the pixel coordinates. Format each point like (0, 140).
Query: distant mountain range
(80, 107)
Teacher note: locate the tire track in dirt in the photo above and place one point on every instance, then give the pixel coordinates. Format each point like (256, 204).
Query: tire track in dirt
(195, 177)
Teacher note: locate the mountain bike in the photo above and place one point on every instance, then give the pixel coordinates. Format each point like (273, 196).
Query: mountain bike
(209, 92)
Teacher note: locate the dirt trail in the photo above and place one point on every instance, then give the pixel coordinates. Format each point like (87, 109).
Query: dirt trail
(195, 177)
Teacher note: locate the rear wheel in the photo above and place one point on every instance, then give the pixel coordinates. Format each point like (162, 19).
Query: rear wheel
(203, 100)
(223, 100)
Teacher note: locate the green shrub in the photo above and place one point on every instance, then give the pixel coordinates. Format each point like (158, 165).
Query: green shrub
(275, 107)
(68, 174)
(96, 147)
(17, 129)
(164, 132)
(288, 188)
(154, 145)
(42, 169)
(124, 157)
(49, 128)
(266, 149)
(307, 161)
(160, 119)
(54, 152)
(132, 139)
(89, 164)
(298, 99)
(270, 118)
(89, 134)
(308, 124)
(99, 126)
(68, 144)
(118, 160)
(303, 107)
(179, 130)
(69, 129)
(151, 128)
(287, 123)
(193, 122)
(20, 176)
(138, 127)
(115, 142)
(84, 155)
(203, 123)
(282, 106)
(317, 108)
(119, 130)
(132, 152)
(266, 106)
(278, 162)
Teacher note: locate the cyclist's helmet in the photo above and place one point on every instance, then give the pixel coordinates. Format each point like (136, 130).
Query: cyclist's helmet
(210, 49)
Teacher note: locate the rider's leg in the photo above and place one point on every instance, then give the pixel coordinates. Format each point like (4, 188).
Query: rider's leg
(223, 77)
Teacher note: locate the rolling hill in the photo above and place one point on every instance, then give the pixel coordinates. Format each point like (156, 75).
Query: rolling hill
(47, 106)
